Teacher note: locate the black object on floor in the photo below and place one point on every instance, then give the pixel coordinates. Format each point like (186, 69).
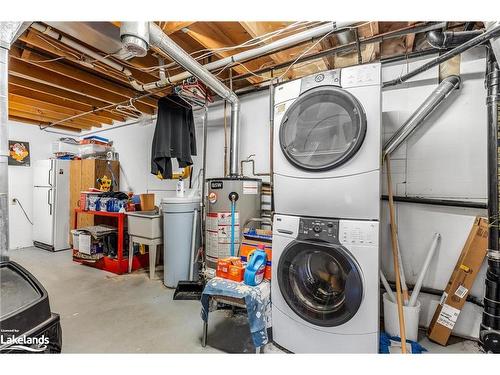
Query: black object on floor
(189, 290)
(28, 325)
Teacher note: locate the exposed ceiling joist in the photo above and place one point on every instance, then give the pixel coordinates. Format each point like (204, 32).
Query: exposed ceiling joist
(26, 70)
(210, 36)
(15, 98)
(64, 95)
(102, 116)
(256, 29)
(46, 116)
(170, 27)
(85, 77)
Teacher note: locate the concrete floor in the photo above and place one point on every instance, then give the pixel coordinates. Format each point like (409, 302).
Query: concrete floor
(105, 313)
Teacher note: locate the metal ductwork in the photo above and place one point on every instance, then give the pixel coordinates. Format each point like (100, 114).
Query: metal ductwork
(158, 39)
(104, 36)
(46, 30)
(289, 41)
(489, 335)
(450, 39)
(135, 37)
(9, 32)
(434, 100)
(492, 32)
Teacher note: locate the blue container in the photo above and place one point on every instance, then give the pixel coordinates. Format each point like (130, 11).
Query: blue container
(256, 266)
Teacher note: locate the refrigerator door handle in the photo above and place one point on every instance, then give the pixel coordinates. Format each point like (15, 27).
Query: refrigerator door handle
(50, 172)
(48, 202)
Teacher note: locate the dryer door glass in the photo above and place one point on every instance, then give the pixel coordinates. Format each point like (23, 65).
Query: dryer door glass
(323, 129)
(321, 282)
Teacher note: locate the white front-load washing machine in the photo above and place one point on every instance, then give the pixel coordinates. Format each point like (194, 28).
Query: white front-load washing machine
(327, 144)
(325, 289)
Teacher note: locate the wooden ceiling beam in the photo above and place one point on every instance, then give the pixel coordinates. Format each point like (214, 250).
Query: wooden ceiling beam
(170, 27)
(48, 115)
(255, 29)
(66, 96)
(30, 113)
(102, 116)
(210, 36)
(29, 71)
(55, 108)
(410, 40)
(19, 117)
(88, 78)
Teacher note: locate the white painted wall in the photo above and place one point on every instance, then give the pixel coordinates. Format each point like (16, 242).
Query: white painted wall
(21, 181)
(445, 159)
(133, 143)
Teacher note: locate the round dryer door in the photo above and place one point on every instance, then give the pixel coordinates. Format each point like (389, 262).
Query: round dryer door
(321, 282)
(323, 129)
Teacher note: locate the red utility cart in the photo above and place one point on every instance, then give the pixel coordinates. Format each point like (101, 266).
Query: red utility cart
(118, 265)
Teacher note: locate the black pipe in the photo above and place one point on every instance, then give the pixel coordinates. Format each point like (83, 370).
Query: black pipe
(484, 37)
(489, 335)
(447, 39)
(438, 202)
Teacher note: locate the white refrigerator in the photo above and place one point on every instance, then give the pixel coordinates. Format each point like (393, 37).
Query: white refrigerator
(51, 204)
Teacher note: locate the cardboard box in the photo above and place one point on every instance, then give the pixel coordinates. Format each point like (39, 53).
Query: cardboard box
(461, 280)
(231, 268)
(85, 243)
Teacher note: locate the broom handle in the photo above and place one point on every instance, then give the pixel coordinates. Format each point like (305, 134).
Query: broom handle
(394, 241)
(404, 287)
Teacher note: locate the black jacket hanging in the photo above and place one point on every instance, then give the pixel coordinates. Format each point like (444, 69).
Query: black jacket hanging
(174, 136)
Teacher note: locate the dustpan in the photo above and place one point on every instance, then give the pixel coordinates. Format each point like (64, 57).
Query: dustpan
(189, 290)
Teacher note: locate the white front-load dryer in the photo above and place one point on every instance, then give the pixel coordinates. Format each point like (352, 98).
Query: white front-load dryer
(325, 288)
(327, 144)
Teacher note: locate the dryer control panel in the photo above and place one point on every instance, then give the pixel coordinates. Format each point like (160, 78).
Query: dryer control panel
(329, 77)
(319, 229)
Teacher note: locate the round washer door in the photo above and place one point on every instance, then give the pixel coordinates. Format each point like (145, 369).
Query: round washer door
(322, 129)
(321, 282)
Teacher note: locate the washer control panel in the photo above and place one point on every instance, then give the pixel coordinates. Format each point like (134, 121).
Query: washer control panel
(320, 229)
(362, 233)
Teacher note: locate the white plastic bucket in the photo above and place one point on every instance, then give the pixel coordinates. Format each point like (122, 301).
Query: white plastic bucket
(391, 318)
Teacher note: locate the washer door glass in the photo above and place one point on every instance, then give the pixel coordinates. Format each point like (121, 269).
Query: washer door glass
(323, 129)
(321, 282)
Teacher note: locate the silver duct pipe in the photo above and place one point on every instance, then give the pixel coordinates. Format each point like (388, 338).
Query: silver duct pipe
(450, 39)
(434, 100)
(492, 32)
(158, 39)
(291, 40)
(87, 51)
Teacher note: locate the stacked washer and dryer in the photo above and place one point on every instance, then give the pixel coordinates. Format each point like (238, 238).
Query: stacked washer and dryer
(327, 169)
